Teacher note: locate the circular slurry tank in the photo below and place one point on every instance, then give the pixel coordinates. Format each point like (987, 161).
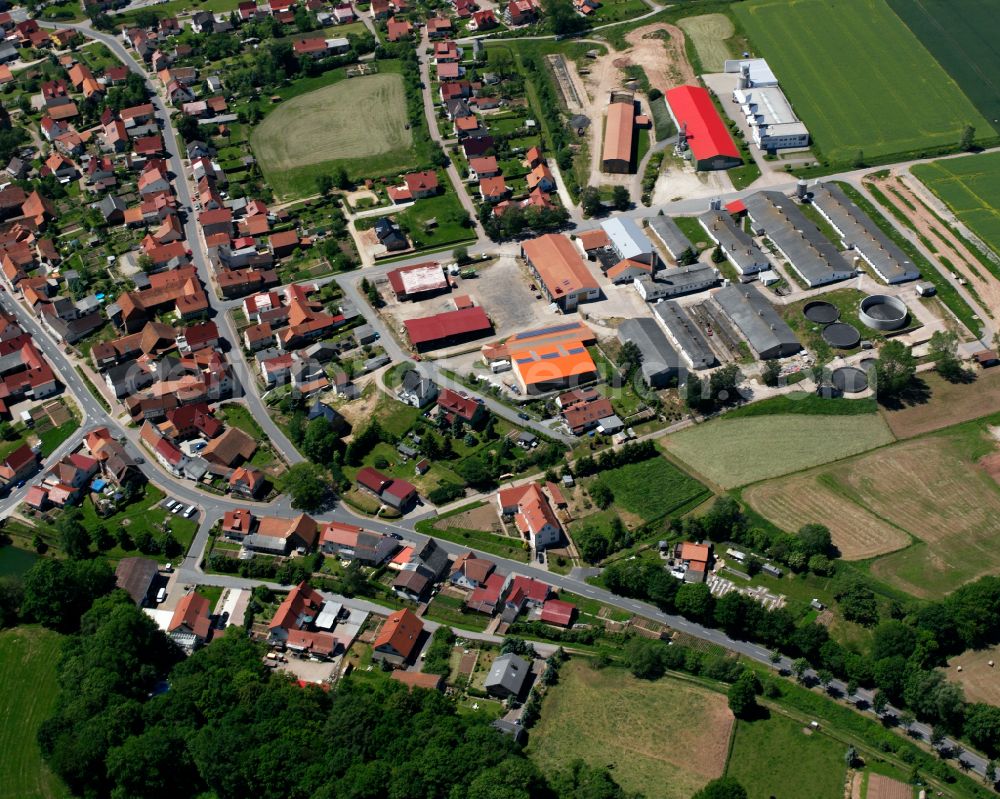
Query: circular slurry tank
(822, 313)
(867, 364)
(841, 335)
(882, 312)
(849, 380)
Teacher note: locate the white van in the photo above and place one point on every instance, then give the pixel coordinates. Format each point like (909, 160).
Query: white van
(161, 595)
(189, 512)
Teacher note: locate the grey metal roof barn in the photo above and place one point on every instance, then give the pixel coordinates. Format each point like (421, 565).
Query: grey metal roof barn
(857, 230)
(660, 361)
(684, 336)
(507, 676)
(739, 248)
(676, 281)
(627, 239)
(670, 235)
(803, 245)
(757, 320)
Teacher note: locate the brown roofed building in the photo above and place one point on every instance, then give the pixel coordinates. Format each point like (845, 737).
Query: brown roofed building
(399, 638)
(619, 133)
(564, 276)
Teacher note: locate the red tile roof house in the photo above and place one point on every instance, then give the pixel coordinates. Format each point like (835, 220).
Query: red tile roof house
(19, 465)
(439, 27)
(350, 542)
(555, 611)
(398, 30)
(493, 190)
(486, 598)
(399, 639)
(247, 482)
(238, 524)
(522, 592)
(416, 186)
(295, 623)
(284, 243)
(532, 513)
(398, 494)
(454, 405)
(483, 167)
(191, 624)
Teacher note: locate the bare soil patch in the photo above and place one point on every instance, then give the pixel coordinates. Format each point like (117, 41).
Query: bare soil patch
(482, 518)
(664, 59)
(803, 499)
(882, 787)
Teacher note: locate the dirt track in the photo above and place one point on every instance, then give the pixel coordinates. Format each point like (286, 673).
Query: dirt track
(666, 66)
(899, 192)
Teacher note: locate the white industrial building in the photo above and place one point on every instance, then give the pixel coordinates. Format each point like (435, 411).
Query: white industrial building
(755, 70)
(772, 122)
(629, 241)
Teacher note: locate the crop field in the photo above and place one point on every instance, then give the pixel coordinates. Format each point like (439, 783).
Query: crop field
(359, 123)
(978, 678)
(970, 187)
(949, 404)
(962, 35)
(838, 61)
(735, 452)
(664, 739)
(28, 658)
(708, 34)
(776, 757)
(803, 498)
(632, 486)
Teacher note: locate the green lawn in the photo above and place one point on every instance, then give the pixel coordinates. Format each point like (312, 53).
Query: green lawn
(28, 658)
(653, 488)
(451, 221)
(451, 611)
(236, 415)
(838, 61)
(970, 187)
(776, 759)
(501, 546)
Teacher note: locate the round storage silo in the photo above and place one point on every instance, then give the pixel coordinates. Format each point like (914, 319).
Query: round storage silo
(882, 312)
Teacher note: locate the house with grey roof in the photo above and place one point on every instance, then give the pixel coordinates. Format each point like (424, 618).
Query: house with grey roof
(741, 250)
(670, 235)
(417, 390)
(676, 281)
(684, 336)
(758, 321)
(629, 241)
(802, 244)
(660, 361)
(508, 676)
(858, 232)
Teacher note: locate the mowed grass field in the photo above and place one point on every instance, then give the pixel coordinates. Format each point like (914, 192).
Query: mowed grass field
(931, 488)
(978, 678)
(775, 758)
(962, 35)
(970, 187)
(28, 658)
(653, 488)
(664, 739)
(840, 61)
(735, 452)
(949, 404)
(803, 498)
(359, 123)
(708, 34)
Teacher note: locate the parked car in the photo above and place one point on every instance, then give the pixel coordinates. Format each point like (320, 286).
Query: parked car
(161, 595)
(189, 512)
(524, 416)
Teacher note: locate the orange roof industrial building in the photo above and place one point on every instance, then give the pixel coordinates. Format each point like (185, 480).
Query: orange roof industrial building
(619, 133)
(564, 276)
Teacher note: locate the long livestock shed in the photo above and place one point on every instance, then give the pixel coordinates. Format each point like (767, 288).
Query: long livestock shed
(660, 362)
(859, 232)
(670, 235)
(797, 238)
(766, 332)
(684, 336)
(741, 250)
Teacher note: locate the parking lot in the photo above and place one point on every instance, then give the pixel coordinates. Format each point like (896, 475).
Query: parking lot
(177, 508)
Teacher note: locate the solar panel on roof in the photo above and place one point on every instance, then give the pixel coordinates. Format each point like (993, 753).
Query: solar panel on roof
(550, 355)
(545, 331)
(576, 350)
(529, 359)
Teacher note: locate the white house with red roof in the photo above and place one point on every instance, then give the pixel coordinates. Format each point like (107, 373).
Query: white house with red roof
(191, 624)
(532, 514)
